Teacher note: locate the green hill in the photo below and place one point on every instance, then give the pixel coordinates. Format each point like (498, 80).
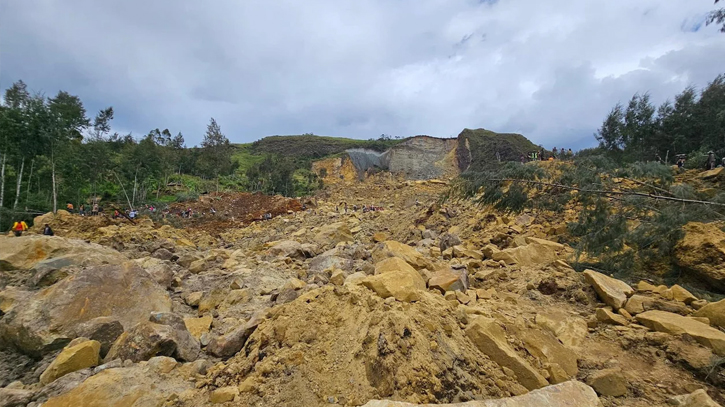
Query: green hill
(480, 148)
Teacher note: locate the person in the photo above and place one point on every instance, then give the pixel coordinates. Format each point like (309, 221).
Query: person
(47, 231)
(132, 214)
(94, 212)
(69, 207)
(570, 153)
(723, 161)
(710, 161)
(19, 228)
(116, 214)
(680, 161)
(553, 152)
(82, 210)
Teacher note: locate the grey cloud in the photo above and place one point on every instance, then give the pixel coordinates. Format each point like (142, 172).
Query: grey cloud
(550, 70)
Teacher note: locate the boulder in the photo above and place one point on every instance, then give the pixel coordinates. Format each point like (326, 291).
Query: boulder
(392, 264)
(675, 324)
(699, 398)
(542, 345)
(337, 278)
(682, 295)
(449, 280)
(489, 250)
(637, 304)
(569, 394)
(15, 397)
(403, 283)
(610, 290)
(33, 250)
(548, 243)
(610, 382)
(392, 248)
(448, 240)
(701, 251)
(118, 387)
(105, 330)
(712, 174)
(490, 339)
(72, 358)
(228, 345)
(379, 237)
(571, 330)
(330, 235)
(163, 254)
(198, 326)
(714, 311)
(49, 319)
(291, 249)
(529, 255)
(147, 339)
(331, 259)
(606, 316)
(223, 394)
(462, 252)
(159, 270)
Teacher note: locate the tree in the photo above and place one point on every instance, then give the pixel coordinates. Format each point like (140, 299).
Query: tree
(717, 17)
(102, 123)
(66, 122)
(216, 156)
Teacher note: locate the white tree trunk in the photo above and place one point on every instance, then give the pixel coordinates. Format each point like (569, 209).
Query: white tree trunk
(20, 182)
(2, 183)
(55, 189)
(30, 180)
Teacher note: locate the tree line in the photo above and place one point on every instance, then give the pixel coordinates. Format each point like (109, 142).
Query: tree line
(52, 153)
(693, 123)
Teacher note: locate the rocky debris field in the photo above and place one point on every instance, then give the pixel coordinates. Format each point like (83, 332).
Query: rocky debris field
(419, 303)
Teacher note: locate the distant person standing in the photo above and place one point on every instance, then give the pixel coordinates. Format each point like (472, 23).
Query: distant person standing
(69, 207)
(710, 161)
(19, 228)
(94, 212)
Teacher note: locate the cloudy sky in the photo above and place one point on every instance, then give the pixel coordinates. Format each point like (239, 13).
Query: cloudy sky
(550, 70)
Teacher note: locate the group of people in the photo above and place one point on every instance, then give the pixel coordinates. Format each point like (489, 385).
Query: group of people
(20, 226)
(710, 164)
(541, 155)
(365, 208)
(95, 209)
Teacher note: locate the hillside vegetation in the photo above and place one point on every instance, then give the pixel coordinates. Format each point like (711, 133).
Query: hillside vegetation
(486, 148)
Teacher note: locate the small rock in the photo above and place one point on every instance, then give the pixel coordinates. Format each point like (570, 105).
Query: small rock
(610, 382)
(612, 291)
(72, 358)
(337, 278)
(608, 317)
(194, 298)
(223, 394)
(699, 398)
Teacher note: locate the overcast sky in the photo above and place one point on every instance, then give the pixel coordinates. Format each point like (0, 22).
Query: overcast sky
(550, 70)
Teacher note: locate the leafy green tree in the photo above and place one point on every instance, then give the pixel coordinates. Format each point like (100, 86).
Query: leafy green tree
(216, 155)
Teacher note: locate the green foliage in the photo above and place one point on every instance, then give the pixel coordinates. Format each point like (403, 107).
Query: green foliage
(629, 217)
(717, 17)
(310, 146)
(485, 149)
(694, 122)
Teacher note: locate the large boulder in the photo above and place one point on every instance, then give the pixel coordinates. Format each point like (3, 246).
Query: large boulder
(148, 339)
(72, 358)
(228, 345)
(699, 398)
(33, 251)
(291, 249)
(159, 270)
(449, 280)
(548, 349)
(571, 330)
(392, 248)
(122, 387)
(398, 280)
(569, 394)
(701, 251)
(490, 339)
(332, 234)
(714, 311)
(529, 255)
(49, 319)
(675, 324)
(612, 291)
